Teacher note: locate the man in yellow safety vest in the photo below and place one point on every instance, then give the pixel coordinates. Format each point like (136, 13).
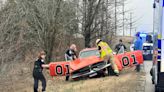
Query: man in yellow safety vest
(106, 54)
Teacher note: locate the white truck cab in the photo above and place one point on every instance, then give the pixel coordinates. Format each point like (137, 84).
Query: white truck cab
(157, 70)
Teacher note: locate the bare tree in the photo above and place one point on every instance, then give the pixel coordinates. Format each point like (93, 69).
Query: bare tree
(91, 8)
(32, 24)
(50, 24)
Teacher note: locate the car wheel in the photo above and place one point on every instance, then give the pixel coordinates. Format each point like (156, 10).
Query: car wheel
(101, 73)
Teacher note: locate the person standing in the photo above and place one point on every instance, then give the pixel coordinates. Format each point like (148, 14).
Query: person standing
(106, 54)
(37, 72)
(70, 55)
(138, 42)
(119, 46)
(138, 46)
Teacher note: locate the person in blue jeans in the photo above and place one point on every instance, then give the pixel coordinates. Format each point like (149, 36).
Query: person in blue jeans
(138, 46)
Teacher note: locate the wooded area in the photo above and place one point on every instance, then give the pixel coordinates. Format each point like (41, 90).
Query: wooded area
(52, 25)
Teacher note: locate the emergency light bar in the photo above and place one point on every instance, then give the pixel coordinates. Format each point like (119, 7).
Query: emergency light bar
(143, 35)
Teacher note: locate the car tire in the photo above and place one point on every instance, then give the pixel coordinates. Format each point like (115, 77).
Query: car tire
(101, 73)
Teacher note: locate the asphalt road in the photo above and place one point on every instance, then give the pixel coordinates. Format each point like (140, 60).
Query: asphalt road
(148, 86)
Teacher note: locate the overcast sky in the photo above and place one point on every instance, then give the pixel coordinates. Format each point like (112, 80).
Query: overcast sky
(143, 12)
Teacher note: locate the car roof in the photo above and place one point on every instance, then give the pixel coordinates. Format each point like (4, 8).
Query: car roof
(88, 49)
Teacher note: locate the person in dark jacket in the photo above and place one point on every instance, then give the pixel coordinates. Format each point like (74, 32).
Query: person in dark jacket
(70, 55)
(37, 72)
(119, 45)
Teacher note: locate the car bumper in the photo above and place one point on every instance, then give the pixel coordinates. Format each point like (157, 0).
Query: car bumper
(92, 73)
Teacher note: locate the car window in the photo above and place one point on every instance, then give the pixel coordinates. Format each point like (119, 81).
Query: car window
(89, 53)
(147, 47)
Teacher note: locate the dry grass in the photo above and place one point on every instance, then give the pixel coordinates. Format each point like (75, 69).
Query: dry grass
(17, 77)
(126, 82)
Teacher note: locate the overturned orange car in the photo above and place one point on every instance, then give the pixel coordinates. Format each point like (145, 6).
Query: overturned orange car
(89, 64)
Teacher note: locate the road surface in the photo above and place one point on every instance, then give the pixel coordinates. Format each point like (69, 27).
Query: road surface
(148, 86)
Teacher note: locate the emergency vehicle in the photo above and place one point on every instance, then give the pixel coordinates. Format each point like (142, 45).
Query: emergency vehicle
(147, 45)
(157, 70)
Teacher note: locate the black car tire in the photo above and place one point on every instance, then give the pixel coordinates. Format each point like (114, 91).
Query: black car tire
(101, 73)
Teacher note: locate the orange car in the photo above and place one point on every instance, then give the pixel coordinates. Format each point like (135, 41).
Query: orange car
(89, 64)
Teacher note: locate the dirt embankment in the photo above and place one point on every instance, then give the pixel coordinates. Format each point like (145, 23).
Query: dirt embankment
(126, 82)
(21, 81)
(17, 77)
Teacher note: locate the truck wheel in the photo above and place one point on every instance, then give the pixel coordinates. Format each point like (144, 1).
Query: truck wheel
(156, 89)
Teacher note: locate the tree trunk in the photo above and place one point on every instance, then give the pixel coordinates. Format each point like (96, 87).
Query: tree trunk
(87, 38)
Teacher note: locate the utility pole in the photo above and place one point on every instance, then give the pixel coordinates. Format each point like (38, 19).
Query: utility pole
(123, 12)
(154, 6)
(115, 17)
(130, 23)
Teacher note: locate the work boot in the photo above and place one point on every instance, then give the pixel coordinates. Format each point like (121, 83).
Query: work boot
(67, 78)
(117, 74)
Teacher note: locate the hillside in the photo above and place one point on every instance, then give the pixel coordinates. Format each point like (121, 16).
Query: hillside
(17, 77)
(20, 80)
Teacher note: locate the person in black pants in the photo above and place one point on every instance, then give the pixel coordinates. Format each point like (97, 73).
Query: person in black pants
(37, 72)
(70, 55)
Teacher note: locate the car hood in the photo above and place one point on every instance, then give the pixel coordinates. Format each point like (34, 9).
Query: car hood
(83, 62)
